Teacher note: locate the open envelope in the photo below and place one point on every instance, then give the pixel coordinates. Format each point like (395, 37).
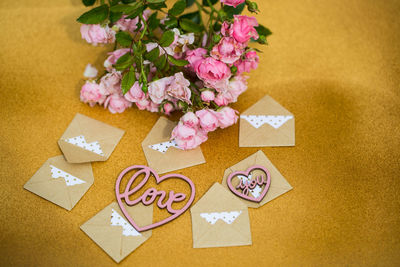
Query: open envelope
(219, 219)
(162, 154)
(87, 140)
(278, 185)
(110, 230)
(266, 123)
(60, 182)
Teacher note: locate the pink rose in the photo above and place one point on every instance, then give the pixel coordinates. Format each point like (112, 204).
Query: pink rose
(143, 103)
(188, 137)
(236, 86)
(157, 89)
(113, 57)
(91, 93)
(95, 34)
(193, 56)
(168, 108)
(190, 119)
(207, 96)
(117, 103)
(243, 28)
(233, 3)
(225, 29)
(135, 93)
(179, 88)
(227, 117)
(223, 99)
(214, 73)
(153, 107)
(208, 119)
(228, 50)
(250, 62)
(111, 82)
(125, 24)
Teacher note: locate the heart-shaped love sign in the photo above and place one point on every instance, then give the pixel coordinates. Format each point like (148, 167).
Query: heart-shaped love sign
(150, 195)
(248, 183)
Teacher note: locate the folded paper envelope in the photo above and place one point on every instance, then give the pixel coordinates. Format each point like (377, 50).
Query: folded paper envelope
(266, 123)
(278, 185)
(60, 182)
(162, 154)
(220, 220)
(87, 140)
(110, 230)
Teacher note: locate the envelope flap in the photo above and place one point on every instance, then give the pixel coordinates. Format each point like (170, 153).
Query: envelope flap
(266, 106)
(217, 199)
(160, 132)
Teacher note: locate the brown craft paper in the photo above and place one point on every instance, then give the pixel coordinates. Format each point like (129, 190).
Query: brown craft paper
(173, 158)
(278, 185)
(266, 135)
(56, 190)
(107, 136)
(110, 237)
(220, 234)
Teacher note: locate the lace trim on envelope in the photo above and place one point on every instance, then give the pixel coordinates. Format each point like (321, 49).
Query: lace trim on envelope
(118, 220)
(228, 217)
(258, 120)
(70, 180)
(81, 142)
(163, 147)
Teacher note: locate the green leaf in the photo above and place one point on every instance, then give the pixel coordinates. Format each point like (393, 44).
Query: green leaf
(213, 2)
(177, 8)
(88, 2)
(124, 38)
(230, 10)
(128, 1)
(153, 54)
(157, 6)
(190, 26)
(115, 16)
(124, 62)
(177, 62)
(128, 80)
(160, 62)
(153, 22)
(95, 15)
(171, 23)
(193, 16)
(127, 9)
(136, 12)
(261, 30)
(189, 3)
(167, 38)
(155, 1)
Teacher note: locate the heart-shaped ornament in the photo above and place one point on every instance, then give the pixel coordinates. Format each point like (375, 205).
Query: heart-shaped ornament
(248, 183)
(150, 195)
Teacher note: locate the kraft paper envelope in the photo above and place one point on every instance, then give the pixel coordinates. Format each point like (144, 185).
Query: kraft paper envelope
(278, 185)
(220, 220)
(110, 230)
(60, 182)
(87, 140)
(162, 154)
(266, 123)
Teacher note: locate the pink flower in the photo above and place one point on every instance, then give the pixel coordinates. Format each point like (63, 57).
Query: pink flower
(95, 34)
(194, 56)
(143, 103)
(179, 88)
(243, 28)
(225, 29)
(227, 117)
(235, 87)
(113, 57)
(168, 108)
(223, 99)
(233, 3)
(250, 62)
(190, 119)
(188, 137)
(117, 103)
(111, 82)
(157, 89)
(135, 94)
(208, 119)
(228, 50)
(207, 96)
(125, 24)
(153, 107)
(90, 71)
(91, 93)
(214, 73)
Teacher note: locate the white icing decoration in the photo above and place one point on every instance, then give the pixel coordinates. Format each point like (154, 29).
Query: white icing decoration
(163, 147)
(256, 191)
(258, 120)
(81, 142)
(118, 220)
(228, 217)
(70, 180)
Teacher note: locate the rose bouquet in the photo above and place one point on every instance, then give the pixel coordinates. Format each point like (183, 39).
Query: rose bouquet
(165, 59)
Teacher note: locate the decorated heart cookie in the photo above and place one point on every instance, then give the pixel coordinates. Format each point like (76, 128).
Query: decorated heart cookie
(251, 186)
